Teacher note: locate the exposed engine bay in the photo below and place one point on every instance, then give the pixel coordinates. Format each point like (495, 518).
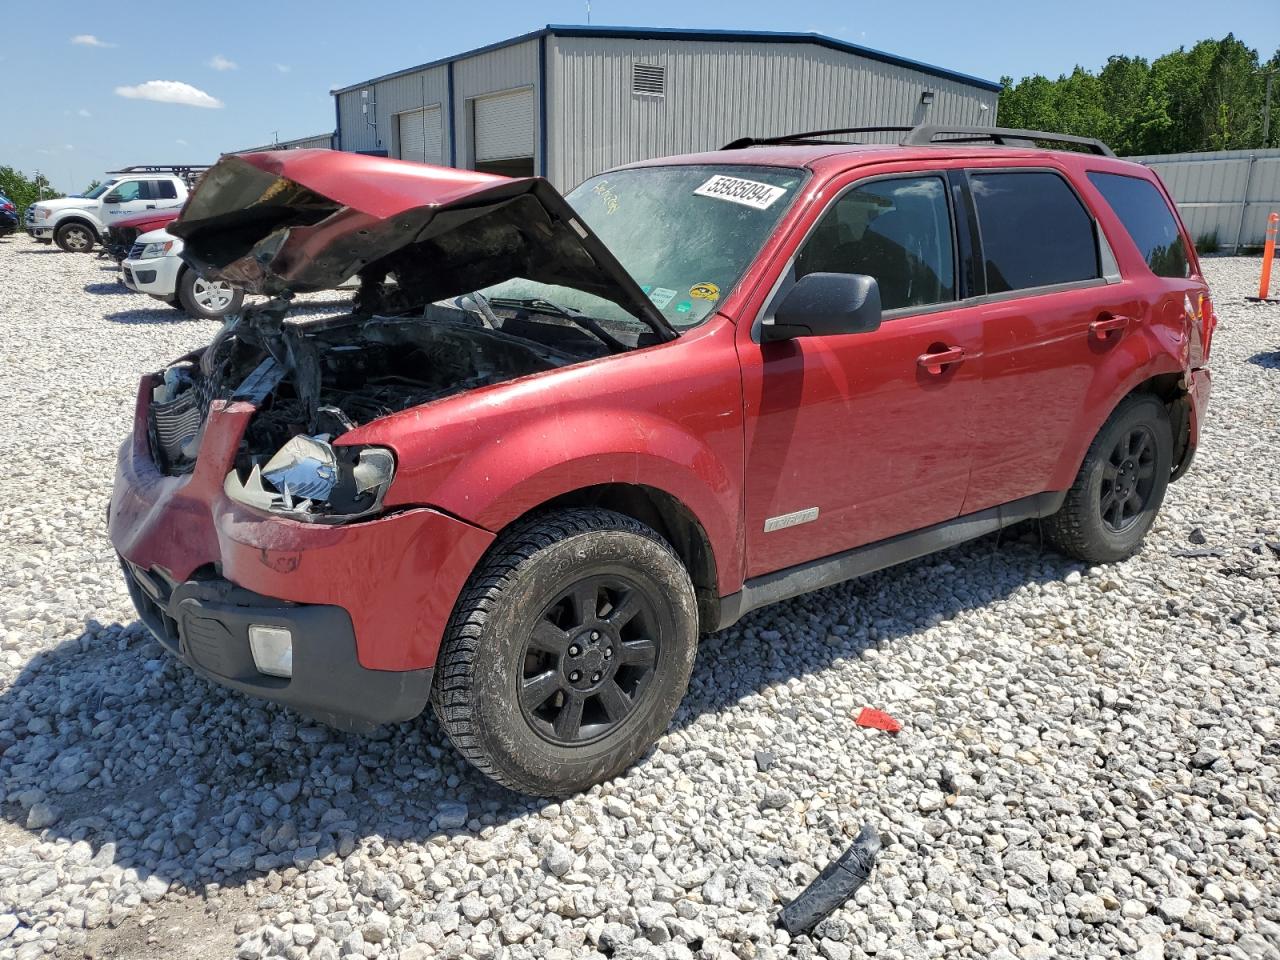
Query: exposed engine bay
(312, 381)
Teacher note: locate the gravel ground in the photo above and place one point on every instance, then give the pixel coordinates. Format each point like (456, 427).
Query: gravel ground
(1088, 765)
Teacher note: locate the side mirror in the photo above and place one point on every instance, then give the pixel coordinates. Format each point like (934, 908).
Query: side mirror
(111, 198)
(826, 304)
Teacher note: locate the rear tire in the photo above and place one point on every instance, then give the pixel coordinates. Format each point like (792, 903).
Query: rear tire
(568, 652)
(75, 237)
(207, 299)
(1120, 486)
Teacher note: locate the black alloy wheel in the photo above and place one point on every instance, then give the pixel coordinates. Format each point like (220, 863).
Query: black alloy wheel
(1128, 478)
(589, 660)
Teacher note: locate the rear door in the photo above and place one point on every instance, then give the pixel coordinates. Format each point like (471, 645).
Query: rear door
(1053, 308)
(855, 438)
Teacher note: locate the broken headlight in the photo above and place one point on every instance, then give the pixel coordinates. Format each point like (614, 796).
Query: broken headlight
(312, 480)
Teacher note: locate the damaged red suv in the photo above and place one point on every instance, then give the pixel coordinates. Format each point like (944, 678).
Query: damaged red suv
(556, 438)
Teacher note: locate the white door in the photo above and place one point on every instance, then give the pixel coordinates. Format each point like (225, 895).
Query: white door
(421, 136)
(504, 126)
(125, 199)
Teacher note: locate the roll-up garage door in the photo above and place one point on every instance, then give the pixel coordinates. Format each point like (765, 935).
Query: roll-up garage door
(421, 137)
(504, 126)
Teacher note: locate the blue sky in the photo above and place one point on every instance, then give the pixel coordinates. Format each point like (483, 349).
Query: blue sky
(269, 66)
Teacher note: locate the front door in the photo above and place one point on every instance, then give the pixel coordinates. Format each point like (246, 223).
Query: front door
(125, 199)
(854, 438)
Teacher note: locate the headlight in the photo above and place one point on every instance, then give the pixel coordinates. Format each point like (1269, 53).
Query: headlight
(157, 249)
(310, 479)
(42, 213)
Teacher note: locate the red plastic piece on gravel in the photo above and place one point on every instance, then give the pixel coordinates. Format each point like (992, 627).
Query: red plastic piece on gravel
(877, 720)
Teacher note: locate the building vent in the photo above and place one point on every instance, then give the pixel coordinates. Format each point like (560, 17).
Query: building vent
(648, 79)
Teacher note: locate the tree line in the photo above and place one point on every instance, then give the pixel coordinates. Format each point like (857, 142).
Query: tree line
(24, 190)
(1209, 97)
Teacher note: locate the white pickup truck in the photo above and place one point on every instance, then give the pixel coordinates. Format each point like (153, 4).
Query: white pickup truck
(77, 223)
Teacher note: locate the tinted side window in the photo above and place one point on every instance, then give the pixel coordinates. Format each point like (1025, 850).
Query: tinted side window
(130, 190)
(1035, 232)
(1148, 219)
(163, 190)
(898, 231)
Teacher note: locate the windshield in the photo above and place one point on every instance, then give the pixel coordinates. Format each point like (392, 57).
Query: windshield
(685, 233)
(99, 190)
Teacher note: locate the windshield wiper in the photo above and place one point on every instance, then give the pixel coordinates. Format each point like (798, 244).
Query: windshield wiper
(480, 303)
(541, 305)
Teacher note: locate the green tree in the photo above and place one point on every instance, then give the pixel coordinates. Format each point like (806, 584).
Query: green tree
(1208, 97)
(24, 190)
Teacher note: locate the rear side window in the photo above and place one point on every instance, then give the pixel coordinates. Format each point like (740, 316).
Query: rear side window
(163, 190)
(1035, 232)
(1150, 222)
(896, 230)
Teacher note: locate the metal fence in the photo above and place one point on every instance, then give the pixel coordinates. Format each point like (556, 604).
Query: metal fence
(1226, 194)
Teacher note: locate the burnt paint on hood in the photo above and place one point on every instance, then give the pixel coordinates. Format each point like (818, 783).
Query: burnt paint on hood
(304, 220)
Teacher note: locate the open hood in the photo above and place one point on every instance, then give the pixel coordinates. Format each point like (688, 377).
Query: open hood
(304, 220)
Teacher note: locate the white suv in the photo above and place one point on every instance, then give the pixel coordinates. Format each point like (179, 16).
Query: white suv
(76, 223)
(155, 267)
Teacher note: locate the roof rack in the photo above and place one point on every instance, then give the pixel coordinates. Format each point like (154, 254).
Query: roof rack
(187, 171)
(928, 134)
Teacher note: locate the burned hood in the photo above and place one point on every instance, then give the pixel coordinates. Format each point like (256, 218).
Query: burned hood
(305, 220)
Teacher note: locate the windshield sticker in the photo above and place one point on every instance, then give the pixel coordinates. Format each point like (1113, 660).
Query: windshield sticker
(684, 306)
(661, 297)
(704, 291)
(749, 193)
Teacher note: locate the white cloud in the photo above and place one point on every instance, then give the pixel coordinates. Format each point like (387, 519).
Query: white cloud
(67, 146)
(180, 142)
(84, 113)
(283, 67)
(219, 62)
(89, 40)
(170, 91)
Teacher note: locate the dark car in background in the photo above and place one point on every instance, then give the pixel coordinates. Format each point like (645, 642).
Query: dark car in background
(8, 216)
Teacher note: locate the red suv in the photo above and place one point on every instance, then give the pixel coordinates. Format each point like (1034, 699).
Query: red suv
(555, 441)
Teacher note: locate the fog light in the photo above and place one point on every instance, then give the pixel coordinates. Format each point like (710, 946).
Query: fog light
(272, 649)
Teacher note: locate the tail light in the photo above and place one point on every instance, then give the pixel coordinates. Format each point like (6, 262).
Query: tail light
(1208, 322)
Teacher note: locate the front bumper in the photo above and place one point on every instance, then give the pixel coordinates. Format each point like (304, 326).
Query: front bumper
(41, 233)
(205, 623)
(395, 576)
(157, 276)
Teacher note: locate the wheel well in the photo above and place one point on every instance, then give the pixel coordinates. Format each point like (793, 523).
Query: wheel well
(1171, 390)
(671, 519)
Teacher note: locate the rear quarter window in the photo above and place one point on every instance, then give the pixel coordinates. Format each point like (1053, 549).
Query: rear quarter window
(1035, 232)
(1149, 221)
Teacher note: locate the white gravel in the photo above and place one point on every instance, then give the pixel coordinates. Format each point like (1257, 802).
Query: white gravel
(1088, 765)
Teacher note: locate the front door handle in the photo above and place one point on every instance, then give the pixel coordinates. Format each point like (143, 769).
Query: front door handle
(938, 360)
(1108, 323)
(151, 206)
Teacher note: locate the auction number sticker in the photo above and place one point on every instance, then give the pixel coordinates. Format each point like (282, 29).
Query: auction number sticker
(662, 296)
(749, 193)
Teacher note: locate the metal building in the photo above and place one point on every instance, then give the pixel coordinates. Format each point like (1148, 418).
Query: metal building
(568, 101)
(322, 141)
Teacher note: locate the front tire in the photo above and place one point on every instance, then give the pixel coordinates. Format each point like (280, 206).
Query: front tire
(75, 238)
(568, 652)
(1120, 487)
(207, 299)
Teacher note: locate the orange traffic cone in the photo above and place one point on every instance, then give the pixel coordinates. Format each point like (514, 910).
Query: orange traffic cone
(1268, 255)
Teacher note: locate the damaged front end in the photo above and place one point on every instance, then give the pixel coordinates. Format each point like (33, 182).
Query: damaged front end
(424, 242)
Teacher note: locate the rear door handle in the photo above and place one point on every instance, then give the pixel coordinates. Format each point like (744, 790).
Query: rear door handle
(938, 360)
(1103, 327)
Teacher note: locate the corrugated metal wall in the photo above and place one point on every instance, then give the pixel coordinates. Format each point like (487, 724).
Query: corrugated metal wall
(386, 99)
(509, 68)
(322, 141)
(716, 92)
(1227, 192)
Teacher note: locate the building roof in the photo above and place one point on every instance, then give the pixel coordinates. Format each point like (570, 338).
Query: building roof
(675, 33)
